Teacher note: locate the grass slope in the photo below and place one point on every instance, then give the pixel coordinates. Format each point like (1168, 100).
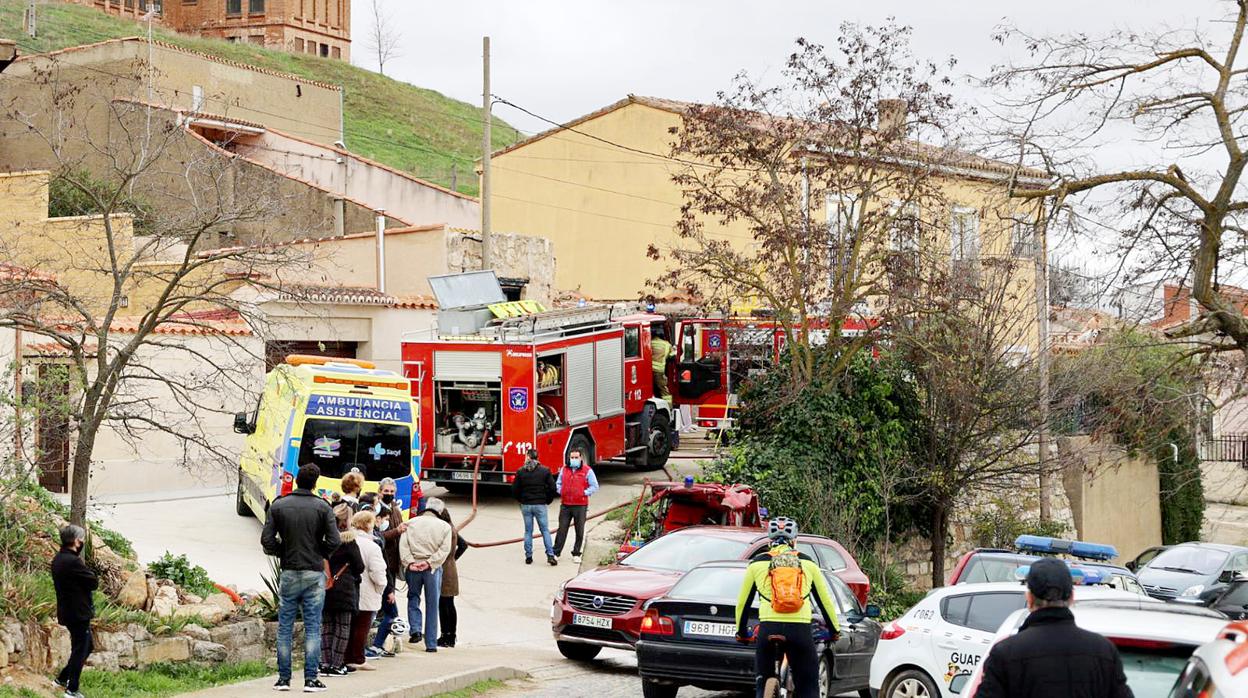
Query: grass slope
(406, 127)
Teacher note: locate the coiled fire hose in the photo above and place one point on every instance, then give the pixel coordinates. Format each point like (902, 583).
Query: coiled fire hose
(476, 469)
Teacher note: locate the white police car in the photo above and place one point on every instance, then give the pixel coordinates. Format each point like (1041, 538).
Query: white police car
(931, 651)
(1154, 639)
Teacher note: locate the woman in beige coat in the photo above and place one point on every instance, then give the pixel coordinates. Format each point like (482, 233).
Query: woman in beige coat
(372, 585)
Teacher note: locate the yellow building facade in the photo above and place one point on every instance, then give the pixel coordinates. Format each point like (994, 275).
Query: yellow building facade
(600, 188)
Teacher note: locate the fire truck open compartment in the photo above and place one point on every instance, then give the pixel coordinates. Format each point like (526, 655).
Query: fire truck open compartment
(551, 406)
(467, 413)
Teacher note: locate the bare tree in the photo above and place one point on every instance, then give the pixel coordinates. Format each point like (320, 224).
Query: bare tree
(154, 322)
(968, 337)
(838, 133)
(1176, 97)
(383, 39)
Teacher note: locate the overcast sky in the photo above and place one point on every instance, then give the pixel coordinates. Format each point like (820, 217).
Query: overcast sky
(561, 59)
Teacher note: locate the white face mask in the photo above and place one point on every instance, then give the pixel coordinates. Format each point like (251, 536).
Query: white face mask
(383, 524)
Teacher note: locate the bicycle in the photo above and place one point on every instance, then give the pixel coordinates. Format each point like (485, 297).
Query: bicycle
(780, 684)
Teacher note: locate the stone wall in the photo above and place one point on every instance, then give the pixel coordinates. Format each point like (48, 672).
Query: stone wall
(911, 553)
(515, 256)
(43, 649)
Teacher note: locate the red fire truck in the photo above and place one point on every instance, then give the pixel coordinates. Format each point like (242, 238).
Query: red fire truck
(714, 357)
(497, 378)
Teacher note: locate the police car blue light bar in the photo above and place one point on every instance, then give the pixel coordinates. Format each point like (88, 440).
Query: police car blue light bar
(1079, 576)
(1058, 546)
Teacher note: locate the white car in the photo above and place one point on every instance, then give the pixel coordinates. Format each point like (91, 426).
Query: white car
(946, 636)
(1218, 669)
(1155, 640)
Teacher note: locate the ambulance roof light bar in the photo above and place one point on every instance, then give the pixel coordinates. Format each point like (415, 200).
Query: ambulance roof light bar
(314, 360)
(1057, 546)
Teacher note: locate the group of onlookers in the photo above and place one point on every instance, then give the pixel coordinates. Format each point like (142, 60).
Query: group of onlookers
(340, 562)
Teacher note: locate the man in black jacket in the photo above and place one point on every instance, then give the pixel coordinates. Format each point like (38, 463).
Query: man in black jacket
(301, 531)
(1050, 656)
(74, 583)
(534, 487)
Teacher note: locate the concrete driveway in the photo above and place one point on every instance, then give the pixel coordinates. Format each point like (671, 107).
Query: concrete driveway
(502, 601)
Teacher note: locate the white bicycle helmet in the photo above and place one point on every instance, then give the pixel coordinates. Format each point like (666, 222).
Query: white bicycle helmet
(399, 627)
(781, 529)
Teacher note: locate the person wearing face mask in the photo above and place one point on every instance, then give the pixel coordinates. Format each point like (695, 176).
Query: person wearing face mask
(576, 484)
(390, 528)
(74, 583)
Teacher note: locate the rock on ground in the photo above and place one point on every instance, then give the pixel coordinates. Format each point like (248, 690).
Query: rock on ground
(133, 593)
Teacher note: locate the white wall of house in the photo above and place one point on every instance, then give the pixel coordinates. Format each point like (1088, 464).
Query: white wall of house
(161, 462)
(377, 330)
(376, 186)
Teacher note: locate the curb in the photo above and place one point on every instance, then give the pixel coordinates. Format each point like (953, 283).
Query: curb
(450, 682)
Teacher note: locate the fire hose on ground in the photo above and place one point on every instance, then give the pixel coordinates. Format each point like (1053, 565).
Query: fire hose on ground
(476, 471)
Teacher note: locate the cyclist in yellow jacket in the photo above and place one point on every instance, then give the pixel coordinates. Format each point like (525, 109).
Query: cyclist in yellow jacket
(794, 626)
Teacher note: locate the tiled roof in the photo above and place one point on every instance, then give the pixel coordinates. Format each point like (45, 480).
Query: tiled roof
(188, 325)
(180, 49)
(390, 232)
(355, 295)
(14, 273)
(51, 350)
(951, 158)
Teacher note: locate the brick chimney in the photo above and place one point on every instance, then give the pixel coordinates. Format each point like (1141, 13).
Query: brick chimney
(891, 118)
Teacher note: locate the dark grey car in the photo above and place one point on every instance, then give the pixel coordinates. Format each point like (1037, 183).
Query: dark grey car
(696, 644)
(1192, 572)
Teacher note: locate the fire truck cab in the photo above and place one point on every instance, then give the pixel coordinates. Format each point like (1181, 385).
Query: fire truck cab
(496, 378)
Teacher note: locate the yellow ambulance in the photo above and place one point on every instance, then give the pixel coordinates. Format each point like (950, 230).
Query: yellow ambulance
(342, 415)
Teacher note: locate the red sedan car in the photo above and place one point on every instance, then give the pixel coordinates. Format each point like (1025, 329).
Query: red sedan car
(603, 607)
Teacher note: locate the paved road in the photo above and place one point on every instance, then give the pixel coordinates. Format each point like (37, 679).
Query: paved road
(503, 602)
(613, 675)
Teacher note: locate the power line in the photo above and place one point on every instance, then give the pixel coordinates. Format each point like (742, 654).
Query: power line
(561, 127)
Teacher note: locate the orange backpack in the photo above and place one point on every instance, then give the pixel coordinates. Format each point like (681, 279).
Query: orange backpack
(787, 582)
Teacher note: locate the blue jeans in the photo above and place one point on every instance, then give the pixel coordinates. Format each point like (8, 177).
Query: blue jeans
(300, 590)
(389, 611)
(430, 582)
(531, 513)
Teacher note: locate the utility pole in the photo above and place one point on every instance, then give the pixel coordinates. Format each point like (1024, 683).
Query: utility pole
(30, 19)
(486, 258)
(1042, 333)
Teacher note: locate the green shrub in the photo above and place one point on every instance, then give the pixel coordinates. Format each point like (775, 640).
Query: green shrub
(1182, 492)
(112, 616)
(268, 603)
(180, 571)
(999, 524)
(49, 504)
(831, 453)
(25, 595)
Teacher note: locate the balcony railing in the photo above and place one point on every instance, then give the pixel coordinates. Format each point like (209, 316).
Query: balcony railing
(1225, 448)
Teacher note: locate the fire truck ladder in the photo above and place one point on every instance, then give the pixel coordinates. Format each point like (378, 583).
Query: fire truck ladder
(556, 323)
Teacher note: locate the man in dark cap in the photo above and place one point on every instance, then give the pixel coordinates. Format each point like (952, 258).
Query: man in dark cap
(1050, 656)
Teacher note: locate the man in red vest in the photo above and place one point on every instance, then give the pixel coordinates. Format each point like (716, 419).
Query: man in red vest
(576, 484)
